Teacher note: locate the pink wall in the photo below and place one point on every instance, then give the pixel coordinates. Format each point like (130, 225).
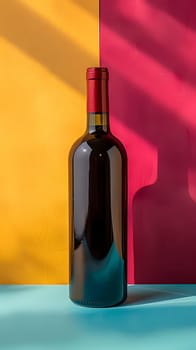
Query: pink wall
(150, 49)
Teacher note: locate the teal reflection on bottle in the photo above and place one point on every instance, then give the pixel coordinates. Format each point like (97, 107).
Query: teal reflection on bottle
(97, 284)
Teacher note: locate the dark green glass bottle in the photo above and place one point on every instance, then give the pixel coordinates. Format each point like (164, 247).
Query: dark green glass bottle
(98, 205)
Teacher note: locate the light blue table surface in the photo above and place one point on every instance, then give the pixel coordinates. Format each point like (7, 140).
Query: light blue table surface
(42, 317)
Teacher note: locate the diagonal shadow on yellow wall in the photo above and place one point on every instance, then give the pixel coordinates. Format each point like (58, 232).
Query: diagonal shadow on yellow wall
(42, 41)
(42, 91)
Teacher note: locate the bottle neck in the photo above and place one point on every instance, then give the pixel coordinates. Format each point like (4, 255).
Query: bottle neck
(98, 104)
(97, 122)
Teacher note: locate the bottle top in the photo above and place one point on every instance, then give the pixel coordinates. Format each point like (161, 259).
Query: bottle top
(97, 73)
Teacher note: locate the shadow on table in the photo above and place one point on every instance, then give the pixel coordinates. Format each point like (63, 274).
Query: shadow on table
(6, 288)
(138, 294)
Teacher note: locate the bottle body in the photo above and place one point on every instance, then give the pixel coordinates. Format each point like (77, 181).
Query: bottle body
(98, 260)
(98, 211)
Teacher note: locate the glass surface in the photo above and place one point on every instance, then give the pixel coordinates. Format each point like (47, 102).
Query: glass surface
(98, 218)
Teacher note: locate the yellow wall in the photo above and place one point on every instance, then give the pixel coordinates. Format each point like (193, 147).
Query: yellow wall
(45, 47)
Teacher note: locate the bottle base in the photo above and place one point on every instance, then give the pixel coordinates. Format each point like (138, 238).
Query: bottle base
(89, 304)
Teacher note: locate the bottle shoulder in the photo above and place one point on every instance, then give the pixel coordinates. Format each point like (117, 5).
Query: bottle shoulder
(98, 141)
(76, 145)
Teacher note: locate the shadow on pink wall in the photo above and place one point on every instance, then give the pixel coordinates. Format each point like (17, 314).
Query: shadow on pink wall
(150, 48)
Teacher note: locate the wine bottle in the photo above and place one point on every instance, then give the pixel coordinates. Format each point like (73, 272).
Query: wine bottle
(98, 205)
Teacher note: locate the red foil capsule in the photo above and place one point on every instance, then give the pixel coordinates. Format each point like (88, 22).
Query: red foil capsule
(97, 90)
